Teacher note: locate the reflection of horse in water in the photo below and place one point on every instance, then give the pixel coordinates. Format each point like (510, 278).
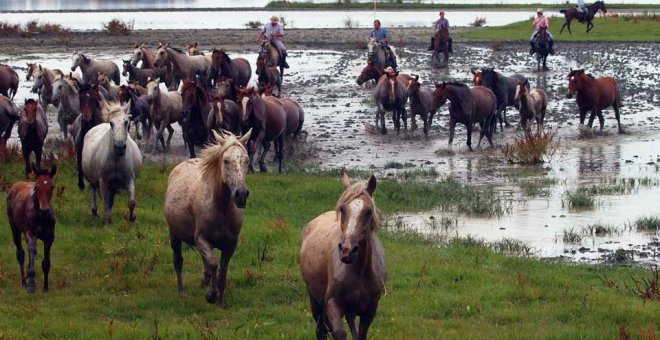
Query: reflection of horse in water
(441, 48)
(598, 159)
(575, 13)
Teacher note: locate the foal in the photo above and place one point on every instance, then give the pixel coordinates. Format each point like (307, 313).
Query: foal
(32, 130)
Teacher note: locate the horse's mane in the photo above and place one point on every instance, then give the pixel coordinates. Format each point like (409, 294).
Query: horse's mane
(211, 155)
(353, 192)
(456, 83)
(176, 49)
(202, 97)
(112, 110)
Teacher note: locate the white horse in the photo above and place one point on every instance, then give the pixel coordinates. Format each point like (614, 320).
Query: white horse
(90, 68)
(65, 98)
(111, 160)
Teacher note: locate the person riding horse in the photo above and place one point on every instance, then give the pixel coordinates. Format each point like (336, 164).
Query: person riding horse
(275, 31)
(541, 22)
(382, 37)
(582, 10)
(438, 26)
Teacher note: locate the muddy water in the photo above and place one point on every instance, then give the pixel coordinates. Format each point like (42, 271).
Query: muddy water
(339, 133)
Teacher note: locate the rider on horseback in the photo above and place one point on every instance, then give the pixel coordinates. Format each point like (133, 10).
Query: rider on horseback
(382, 37)
(275, 31)
(541, 22)
(582, 9)
(438, 26)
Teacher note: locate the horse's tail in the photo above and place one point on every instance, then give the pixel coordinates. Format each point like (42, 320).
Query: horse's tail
(618, 96)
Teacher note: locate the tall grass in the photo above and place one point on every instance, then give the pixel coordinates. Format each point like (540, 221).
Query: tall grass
(32, 27)
(532, 148)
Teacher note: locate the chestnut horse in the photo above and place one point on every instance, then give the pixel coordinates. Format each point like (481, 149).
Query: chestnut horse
(268, 76)
(575, 13)
(468, 106)
(595, 95)
(343, 262)
(225, 88)
(31, 213)
(32, 130)
(8, 81)
(295, 116)
(390, 94)
(194, 117)
(8, 117)
(370, 72)
(421, 103)
(237, 69)
(533, 105)
(204, 208)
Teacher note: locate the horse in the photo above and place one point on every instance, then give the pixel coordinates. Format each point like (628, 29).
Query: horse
(268, 76)
(574, 13)
(378, 54)
(8, 81)
(441, 48)
(204, 208)
(31, 213)
(343, 262)
(185, 67)
(270, 54)
(238, 69)
(32, 131)
(193, 50)
(594, 94)
(468, 106)
(267, 119)
(390, 94)
(504, 89)
(111, 160)
(91, 115)
(43, 84)
(224, 115)
(112, 89)
(421, 103)
(138, 109)
(370, 72)
(147, 57)
(225, 88)
(542, 49)
(8, 116)
(295, 116)
(90, 68)
(195, 110)
(532, 105)
(65, 97)
(165, 109)
(31, 67)
(138, 75)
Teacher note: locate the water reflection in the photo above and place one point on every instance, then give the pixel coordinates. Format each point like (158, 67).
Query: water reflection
(593, 159)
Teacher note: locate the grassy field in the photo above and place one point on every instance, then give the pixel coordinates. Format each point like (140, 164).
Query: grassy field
(392, 5)
(118, 281)
(623, 28)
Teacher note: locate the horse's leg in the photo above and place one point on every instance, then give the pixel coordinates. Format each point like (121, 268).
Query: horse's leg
(26, 159)
(130, 214)
(160, 126)
(222, 273)
(211, 264)
(592, 117)
(617, 114)
(279, 149)
(170, 132)
(563, 26)
(601, 119)
(319, 317)
(32, 254)
(20, 253)
(108, 201)
(452, 127)
(402, 114)
(569, 28)
(45, 263)
(335, 313)
(37, 155)
(79, 149)
(469, 134)
(583, 114)
(381, 112)
(93, 189)
(350, 320)
(191, 146)
(177, 258)
(265, 147)
(365, 322)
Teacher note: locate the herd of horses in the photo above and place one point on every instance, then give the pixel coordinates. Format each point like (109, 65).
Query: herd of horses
(342, 260)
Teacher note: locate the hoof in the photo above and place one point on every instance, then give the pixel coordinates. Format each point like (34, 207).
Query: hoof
(212, 297)
(263, 168)
(129, 217)
(81, 186)
(31, 289)
(383, 131)
(95, 213)
(45, 290)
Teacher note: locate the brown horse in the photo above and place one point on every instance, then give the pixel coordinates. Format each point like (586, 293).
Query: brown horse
(268, 76)
(267, 119)
(575, 13)
(343, 262)
(148, 59)
(468, 106)
(237, 69)
(32, 130)
(204, 208)
(370, 72)
(295, 116)
(225, 88)
(91, 104)
(225, 115)
(193, 50)
(8, 116)
(421, 103)
(31, 213)
(532, 104)
(441, 48)
(595, 95)
(194, 116)
(8, 81)
(138, 109)
(390, 94)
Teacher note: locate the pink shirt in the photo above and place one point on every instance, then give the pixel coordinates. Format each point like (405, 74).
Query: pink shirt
(541, 22)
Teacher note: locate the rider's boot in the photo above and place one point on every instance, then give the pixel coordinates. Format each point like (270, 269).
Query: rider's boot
(284, 63)
(552, 50)
(451, 43)
(432, 46)
(531, 50)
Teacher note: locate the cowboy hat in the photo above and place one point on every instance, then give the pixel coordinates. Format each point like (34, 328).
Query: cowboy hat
(274, 18)
(539, 10)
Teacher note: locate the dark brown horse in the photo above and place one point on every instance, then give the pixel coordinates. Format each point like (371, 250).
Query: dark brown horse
(91, 104)
(267, 119)
(225, 115)
(139, 75)
(225, 88)
(295, 116)
(421, 103)
(343, 262)
(8, 116)
(390, 94)
(468, 106)
(575, 13)
(196, 108)
(595, 95)
(32, 130)
(8, 81)
(268, 76)
(237, 69)
(504, 89)
(370, 72)
(31, 213)
(138, 109)
(440, 57)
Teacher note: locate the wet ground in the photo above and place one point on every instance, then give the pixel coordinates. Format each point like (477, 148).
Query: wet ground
(339, 133)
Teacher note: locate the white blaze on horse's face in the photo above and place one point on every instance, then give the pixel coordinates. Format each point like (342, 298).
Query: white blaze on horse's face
(244, 105)
(355, 220)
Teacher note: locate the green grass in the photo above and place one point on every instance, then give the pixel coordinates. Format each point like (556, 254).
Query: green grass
(648, 223)
(580, 200)
(118, 281)
(646, 29)
(382, 5)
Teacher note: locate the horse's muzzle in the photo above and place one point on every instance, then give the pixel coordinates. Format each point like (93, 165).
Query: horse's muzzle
(120, 149)
(73, 68)
(347, 253)
(240, 198)
(34, 89)
(569, 94)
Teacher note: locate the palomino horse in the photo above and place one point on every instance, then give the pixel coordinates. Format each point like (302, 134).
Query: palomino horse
(441, 48)
(421, 103)
(270, 54)
(390, 94)
(468, 106)
(504, 89)
(532, 105)
(31, 213)
(139, 75)
(90, 68)
(574, 13)
(65, 97)
(595, 95)
(204, 208)
(111, 160)
(370, 72)
(224, 115)
(238, 68)
(91, 115)
(195, 110)
(378, 55)
(165, 109)
(147, 57)
(8, 116)
(343, 262)
(268, 76)
(8, 81)
(542, 49)
(185, 67)
(32, 130)
(267, 119)
(138, 109)
(43, 84)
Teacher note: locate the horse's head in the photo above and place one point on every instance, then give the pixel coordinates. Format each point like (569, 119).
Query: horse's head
(440, 95)
(371, 71)
(138, 54)
(90, 102)
(227, 163)
(124, 94)
(370, 46)
(43, 189)
(358, 217)
(521, 90)
(161, 55)
(30, 70)
(153, 90)
(102, 79)
(39, 79)
(193, 50)
(30, 111)
(119, 120)
(600, 5)
(413, 85)
(127, 67)
(488, 77)
(574, 82)
(63, 87)
(77, 60)
(194, 97)
(246, 102)
(224, 85)
(477, 77)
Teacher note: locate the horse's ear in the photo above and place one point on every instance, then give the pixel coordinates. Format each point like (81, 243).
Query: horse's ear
(127, 106)
(474, 71)
(345, 181)
(417, 77)
(157, 80)
(39, 67)
(371, 185)
(246, 137)
(136, 46)
(53, 170)
(195, 44)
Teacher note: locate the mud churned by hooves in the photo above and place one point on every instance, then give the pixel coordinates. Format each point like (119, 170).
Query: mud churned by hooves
(445, 152)
(371, 129)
